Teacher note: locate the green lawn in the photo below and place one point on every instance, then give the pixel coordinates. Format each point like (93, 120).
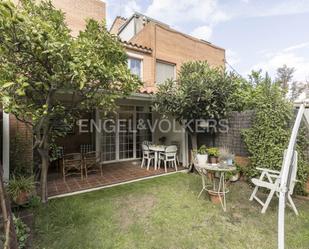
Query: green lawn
(164, 213)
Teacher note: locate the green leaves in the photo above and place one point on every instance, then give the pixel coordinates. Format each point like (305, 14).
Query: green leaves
(7, 85)
(271, 126)
(200, 92)
(46, 74)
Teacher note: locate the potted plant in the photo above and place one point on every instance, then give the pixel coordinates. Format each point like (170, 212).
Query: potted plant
(20, 189)
(215, 197)
(213, 154)
(225, 156)
(202, 156)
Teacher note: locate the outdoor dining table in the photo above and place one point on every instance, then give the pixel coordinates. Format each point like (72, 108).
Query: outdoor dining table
(219, 189)
(156, 149)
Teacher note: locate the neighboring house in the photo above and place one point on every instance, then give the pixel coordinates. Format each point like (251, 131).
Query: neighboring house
(155, 53)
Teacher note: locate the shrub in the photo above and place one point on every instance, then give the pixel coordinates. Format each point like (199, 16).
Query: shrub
(269, 135)
(22, 232)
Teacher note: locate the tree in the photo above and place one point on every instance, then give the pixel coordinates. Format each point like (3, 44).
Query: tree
(297, 88)
(47, 76)
(285, 76)
(200, 92)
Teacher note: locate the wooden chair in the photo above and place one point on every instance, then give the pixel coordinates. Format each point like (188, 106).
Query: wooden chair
(72, 164)
(169, 156)
(92, 163)
(270, 179)
(147, 156)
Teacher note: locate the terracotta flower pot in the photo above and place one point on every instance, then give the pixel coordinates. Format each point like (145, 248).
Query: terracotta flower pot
(210, 175)
(213, 160)
(22, 198)
(214, 197)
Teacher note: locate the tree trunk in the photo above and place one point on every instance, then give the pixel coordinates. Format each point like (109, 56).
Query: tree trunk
(44, 154)
(194, 147)
(9, 229)
(44, 171)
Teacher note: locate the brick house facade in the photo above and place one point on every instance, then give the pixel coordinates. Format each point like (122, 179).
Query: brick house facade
(155, 52)
(165, 45)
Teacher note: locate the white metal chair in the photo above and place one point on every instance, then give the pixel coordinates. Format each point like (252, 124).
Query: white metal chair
(147, 142)
(270, 179)
(202, 172)
(169, 156)
(147, 156)
(176, 143)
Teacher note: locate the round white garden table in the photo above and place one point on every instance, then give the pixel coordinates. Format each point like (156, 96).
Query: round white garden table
(219, 189)
(156, 149)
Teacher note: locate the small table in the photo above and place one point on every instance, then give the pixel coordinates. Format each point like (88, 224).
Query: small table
(156, 149)
(219, 190)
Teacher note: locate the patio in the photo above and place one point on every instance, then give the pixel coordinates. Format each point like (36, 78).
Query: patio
(113, 173)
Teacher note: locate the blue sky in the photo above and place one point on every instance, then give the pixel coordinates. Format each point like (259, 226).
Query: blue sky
(255, 33)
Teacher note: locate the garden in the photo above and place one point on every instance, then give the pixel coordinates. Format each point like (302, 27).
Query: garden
(164, 212)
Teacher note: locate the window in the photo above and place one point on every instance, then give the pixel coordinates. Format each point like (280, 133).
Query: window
(135, 66)
(164, 71)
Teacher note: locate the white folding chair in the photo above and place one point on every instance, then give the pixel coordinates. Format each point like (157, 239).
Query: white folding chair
(270, 179)
(147, 156)
(169, 156)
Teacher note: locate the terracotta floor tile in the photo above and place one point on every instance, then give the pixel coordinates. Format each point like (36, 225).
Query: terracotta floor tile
(112, 173)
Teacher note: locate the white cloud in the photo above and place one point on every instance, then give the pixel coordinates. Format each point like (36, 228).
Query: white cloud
(125, 9)
(185, 12)
(202, 32)
(287, 8)
(232, 57)
(296, 47)
(253, 9)
(272, 61)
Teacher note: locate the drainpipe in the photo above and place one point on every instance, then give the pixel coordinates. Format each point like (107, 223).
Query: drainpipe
(6, 146)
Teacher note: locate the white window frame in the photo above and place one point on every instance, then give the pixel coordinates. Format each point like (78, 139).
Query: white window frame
(168, 63)
(139, 57)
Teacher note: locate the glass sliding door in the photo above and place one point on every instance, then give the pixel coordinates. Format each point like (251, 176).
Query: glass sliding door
(109, 138)
(143, 132)
(126, 133)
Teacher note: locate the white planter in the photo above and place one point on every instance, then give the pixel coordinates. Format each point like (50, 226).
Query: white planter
(202, 159)
(230, 162)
